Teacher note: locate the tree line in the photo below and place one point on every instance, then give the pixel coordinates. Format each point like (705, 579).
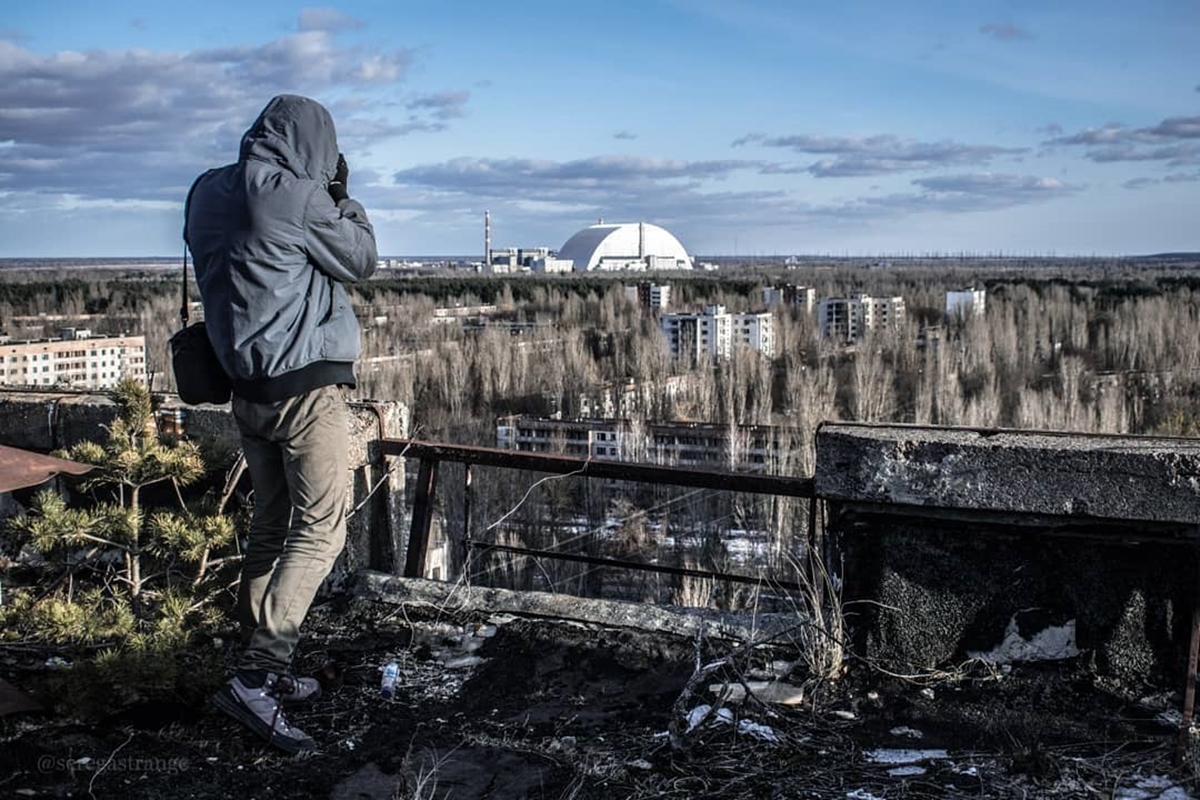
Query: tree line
(1065, 347)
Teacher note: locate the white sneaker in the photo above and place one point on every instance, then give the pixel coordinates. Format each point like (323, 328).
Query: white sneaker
(260, 710)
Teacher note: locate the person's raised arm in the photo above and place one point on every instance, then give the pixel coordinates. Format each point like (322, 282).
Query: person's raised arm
(338, 236)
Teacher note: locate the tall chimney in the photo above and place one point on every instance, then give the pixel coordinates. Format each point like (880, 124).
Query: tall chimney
(642, 241)
(487, 241)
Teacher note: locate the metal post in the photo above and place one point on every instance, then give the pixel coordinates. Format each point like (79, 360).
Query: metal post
(418, 537)
(466, 531)
(1189, 690)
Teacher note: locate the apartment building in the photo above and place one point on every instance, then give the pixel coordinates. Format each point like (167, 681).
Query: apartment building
(654, 296)
(693, 336)
(745, 448)
(789, 294)
(756, 331)
(850, 318)
(77, 360)
(714, 332)
(966, 303)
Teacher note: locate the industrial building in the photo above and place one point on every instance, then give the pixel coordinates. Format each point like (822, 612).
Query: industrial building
(631, 246)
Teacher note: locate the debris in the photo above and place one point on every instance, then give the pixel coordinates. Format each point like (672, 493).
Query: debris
(904, 730)
(757, 730)
(861, 794)
(463, 662)
(702, 712)
(1171, 718)
(767, 691)
(1156, 787)
(564, 744)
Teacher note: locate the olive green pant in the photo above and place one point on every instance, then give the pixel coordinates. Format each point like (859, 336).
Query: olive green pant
(297, 456)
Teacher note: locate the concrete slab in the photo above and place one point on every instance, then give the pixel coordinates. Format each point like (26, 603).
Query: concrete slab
(744, 627)
(1023, 472)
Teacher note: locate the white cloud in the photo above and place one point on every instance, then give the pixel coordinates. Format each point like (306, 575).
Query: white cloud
(140, 124)
(1168, 141)
(855, 156)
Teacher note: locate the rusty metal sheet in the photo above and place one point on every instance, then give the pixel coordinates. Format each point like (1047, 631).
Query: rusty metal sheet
(21, 468)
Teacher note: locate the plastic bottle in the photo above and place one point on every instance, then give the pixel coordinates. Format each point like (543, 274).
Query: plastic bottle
(390, 673)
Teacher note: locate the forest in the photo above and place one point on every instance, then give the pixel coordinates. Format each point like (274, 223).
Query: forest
(1063, 344)
(1068, 346)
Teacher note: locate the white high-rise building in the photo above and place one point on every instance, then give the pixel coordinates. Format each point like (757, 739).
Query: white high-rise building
(692, 336)
(654, 296)
(791, 295)
(756, 331)
(852, 317)
(966, 303)
(715, 332)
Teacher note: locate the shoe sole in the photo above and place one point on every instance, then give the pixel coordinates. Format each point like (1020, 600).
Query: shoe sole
(232, 708)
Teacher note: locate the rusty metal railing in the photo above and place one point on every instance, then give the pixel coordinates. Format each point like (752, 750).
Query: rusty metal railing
(431, 454)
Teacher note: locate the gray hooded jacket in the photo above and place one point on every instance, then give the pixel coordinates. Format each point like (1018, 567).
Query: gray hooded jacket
(271, 250)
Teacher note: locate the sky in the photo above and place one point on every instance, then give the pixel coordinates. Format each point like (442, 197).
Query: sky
(753, 127)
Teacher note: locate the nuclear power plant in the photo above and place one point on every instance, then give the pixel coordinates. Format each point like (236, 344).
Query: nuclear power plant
(603, 247)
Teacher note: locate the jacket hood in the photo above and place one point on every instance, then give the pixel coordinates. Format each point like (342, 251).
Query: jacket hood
(295, 133)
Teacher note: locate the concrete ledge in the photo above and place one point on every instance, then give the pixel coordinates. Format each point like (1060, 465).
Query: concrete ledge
(1031, 473)
(380, 587)
(377, 528)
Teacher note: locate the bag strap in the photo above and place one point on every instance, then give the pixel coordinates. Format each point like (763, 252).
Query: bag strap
(187, 204)
(183, 303)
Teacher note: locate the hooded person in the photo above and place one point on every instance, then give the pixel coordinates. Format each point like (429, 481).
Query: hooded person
(273, 239)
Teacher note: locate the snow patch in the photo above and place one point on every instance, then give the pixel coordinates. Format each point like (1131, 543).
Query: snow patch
(906, 771)
(1050, 644)
(884, 755)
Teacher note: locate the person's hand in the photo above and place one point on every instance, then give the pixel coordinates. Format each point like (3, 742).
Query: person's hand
(337, 186)
(342, 174)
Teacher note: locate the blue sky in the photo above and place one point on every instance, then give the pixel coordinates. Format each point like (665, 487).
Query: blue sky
(756, 127)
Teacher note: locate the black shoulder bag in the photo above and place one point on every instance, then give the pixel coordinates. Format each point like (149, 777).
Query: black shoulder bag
(199, 376)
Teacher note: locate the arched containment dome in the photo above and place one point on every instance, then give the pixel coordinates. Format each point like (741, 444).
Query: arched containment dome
(628, 246)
